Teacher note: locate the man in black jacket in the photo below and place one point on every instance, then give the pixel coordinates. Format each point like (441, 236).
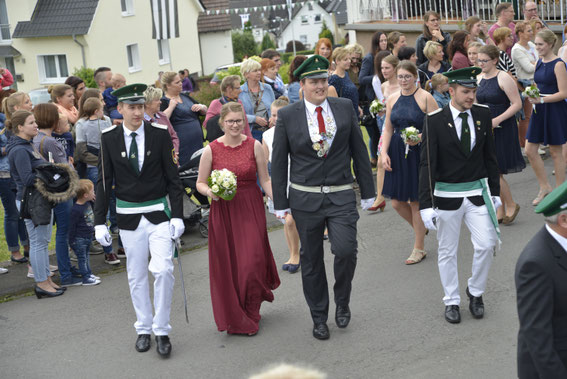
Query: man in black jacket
(541, 287)
(138, 157)
(459, 181)
(321, 135)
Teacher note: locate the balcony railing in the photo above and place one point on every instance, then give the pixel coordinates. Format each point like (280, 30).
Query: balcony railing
(5, 33)
(450, 10)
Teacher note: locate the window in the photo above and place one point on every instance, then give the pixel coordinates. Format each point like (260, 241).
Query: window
(52, 68)
(4, 24)
(310, 6)
(134, 63)
(304, 20)
(163, 51)
(127, 7)
(303, 39)
(317, 18)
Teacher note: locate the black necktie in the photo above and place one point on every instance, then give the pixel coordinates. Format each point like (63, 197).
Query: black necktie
(465, 133)
(133, 154)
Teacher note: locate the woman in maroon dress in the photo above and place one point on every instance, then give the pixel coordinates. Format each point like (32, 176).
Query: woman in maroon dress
(241, 265)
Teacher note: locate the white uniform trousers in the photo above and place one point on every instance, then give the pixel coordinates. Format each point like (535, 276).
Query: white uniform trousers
(484, 239)
(155, 240)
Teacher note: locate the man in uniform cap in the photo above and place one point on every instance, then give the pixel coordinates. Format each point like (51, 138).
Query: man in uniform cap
(459, 181)
(138, 157)
(321, 135)
(541, 287)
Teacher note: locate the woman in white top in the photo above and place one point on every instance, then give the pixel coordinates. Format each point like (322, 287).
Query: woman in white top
(290, 230)
(524, 57)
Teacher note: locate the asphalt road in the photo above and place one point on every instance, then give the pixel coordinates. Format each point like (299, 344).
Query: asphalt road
(397, 328)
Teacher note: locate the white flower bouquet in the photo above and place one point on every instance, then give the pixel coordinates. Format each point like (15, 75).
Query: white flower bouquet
(223, 183)
(377, 106)
(532, 92)
(410, 134)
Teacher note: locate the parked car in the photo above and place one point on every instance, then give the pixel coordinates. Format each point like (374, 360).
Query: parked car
(216, 80)
(39, 96)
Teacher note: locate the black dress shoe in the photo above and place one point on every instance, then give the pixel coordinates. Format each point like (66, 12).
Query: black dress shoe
(342, 316)
(163, 346)
(452, 314)
(20, 260)
(143, 343)
(476, 305)
(321, 331)
(43, 293)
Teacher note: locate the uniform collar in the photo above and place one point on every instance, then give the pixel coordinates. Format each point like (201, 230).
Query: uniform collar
(139, 132)
(311, 107)
(455, 112)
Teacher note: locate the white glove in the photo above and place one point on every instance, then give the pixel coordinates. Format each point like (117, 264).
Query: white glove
(497, 202)
(281, 214)
(102, 235)
(429, 217)
(176, 228)
(366, 203)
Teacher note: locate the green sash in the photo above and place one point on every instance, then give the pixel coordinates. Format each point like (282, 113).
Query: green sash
(452, 190)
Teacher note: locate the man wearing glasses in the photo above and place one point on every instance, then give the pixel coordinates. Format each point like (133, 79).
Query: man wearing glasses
(530, 13)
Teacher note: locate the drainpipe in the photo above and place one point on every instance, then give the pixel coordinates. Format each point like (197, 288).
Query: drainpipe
(82, 50)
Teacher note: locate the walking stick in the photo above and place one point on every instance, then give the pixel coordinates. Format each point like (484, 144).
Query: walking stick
(176, 250)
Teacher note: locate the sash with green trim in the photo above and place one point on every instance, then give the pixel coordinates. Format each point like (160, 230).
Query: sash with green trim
(475, 188)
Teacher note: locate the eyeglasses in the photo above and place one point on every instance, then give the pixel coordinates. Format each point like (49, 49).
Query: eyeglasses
(531, 10)
(484, 60)
(405, 77)
(232, 122)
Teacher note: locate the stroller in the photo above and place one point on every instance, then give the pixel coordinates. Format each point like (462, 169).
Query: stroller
(195, 205)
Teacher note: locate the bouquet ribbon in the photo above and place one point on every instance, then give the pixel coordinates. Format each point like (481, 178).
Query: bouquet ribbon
(475, 188)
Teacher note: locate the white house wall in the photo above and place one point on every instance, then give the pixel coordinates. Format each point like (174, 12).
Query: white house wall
(216, 49)
(310, 31)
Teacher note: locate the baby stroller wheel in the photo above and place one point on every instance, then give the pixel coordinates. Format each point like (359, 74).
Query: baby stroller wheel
(204, 227)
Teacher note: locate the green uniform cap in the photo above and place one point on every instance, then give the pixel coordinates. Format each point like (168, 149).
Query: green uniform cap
(131, 94)
(314, 67)
(465, 77)
(555, 202)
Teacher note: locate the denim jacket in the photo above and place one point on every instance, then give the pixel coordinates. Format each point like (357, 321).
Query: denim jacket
(4, 165)
(267, 98)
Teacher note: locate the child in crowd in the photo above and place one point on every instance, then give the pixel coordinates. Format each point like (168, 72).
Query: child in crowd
(81, 230)
(439, 88)
(63, 135)
(290, 230)
(118, 81)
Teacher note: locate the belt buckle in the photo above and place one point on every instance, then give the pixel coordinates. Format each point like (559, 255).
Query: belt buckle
(325, 189)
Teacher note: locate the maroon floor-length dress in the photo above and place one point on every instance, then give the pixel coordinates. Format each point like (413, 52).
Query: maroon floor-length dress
(242, 269)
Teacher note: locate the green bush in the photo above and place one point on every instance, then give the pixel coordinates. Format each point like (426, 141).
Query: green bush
(243, 45)
(326, 33)
(267, 43)
(207, 93)
(87, 74)
(284, 72)
(231, 71)
(288, 57)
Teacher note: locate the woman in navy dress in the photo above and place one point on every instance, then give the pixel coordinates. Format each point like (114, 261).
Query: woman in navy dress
(340, 80)
(499, 91)
(548, 124)
(404, 109)
(183, 113)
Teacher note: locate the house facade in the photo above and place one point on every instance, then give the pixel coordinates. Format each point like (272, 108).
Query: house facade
(215, 37)
(55, 37)
(305, 25)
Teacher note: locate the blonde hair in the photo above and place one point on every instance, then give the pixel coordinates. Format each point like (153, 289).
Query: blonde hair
(167, 78)
(85, 186)
(548, 37)
(90, 106)
(231, 106)
(430, 49)
(339, 54)
(436, 81)
(58, 90)
(285, 371)
(478, 45)
(355, 48)
(249, 65)
(500, 34)
(280, 102)
(152, 93)
(18, 118)
(230, 81)
(9, 103)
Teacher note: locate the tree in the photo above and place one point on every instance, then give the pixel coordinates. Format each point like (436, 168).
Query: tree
(267, 43)
(298, 46)
(247, 27)
(326, 33)
(87, 74)
(243, 45)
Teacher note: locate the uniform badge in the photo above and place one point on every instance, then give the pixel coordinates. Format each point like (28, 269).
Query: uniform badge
(123, 154)
(173, 156)
(450, 125)
(148, 153)
(478, 123)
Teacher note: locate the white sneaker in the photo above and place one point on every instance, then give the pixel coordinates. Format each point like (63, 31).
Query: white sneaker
(53, 268)
(3, 270)
(91, 282)
(95, 277)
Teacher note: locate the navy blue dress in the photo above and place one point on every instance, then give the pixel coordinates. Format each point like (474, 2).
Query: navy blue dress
(508, 150)
(402, 182)
(548, 124)
(345, 88)
(187, 126)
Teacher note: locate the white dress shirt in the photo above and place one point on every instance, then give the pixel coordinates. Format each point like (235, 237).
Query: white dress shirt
(140, 141)
(559, 238)
(458, 122)
(312, 115)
